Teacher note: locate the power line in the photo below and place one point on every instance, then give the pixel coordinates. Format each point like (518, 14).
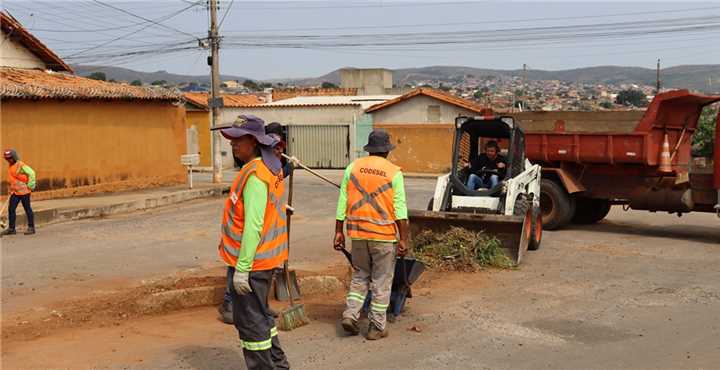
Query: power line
(491, 21)
(226, 13)
(146, 19)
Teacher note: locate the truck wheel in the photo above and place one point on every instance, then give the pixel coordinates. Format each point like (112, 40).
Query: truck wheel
(537, 228)
(589, 211)
(556, 204)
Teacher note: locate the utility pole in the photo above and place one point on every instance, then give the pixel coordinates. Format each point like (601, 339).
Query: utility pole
(216, 101)
(657, 78)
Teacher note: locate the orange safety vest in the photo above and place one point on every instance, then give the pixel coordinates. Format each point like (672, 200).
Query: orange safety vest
(273, 248)
(18, 181)
(370, 210)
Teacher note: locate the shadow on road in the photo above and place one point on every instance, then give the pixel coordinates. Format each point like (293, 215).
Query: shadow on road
(211, 358)
(702, 234)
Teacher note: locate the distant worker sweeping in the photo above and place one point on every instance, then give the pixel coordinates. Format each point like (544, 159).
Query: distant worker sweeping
(21, 183)
(254, 241)
(372, 201)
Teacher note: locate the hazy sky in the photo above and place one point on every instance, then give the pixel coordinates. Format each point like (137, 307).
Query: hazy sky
(87, 29)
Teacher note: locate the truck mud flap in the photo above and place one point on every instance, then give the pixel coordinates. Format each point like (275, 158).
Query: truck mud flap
(514, 232)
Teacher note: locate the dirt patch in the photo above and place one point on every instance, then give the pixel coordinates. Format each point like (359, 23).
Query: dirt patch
(152, 297)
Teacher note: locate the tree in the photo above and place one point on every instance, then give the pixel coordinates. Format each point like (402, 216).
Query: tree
(159, 83)
(252, 85)
(328, 85)
(632, 97)
(444, 87)
(478, 94)
(265, 85)
(136, 83)
(606, 104)
(100, 76)
(704, 137)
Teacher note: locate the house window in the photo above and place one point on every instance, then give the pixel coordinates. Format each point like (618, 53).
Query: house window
(433, 113)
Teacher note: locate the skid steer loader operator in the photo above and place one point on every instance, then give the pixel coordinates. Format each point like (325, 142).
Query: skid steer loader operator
(487, 169)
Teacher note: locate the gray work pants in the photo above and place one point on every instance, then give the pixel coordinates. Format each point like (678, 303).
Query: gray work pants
(255, 325)
(375, 265)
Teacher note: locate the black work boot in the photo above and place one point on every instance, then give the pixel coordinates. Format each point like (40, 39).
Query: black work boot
(8, 232)
(374, 333)
(30, 231)
(226, 313)
(350, 326)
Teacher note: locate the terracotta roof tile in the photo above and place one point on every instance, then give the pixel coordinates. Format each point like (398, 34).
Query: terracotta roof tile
(37, 84)
(16, 31)
(201, 100)
(436, 94)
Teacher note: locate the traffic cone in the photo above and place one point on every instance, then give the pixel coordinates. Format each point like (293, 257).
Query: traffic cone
(665, 164)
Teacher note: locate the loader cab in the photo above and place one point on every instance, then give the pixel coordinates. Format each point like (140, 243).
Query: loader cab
(471, 135)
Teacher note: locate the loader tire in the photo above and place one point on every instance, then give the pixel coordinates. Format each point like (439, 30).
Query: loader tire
(590, 211)
(537, 229)
(557, 206)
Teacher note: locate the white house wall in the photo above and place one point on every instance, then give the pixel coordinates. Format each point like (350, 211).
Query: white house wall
(13, 54)
(415, 110)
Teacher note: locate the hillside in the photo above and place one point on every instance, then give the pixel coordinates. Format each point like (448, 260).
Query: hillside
(124, 74)
(694, 77)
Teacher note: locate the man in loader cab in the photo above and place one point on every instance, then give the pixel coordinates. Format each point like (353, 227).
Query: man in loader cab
(372, 200)
(487, 169)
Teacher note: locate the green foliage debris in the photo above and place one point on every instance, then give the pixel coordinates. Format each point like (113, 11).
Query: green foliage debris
(459, 249)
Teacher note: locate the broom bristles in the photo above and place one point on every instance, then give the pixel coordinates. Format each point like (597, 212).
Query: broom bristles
(293, 318)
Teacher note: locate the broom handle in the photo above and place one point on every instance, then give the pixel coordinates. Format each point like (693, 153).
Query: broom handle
(304, 167)
(289, 215)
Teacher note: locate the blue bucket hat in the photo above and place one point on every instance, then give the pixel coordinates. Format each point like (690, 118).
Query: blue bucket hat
(255, 126)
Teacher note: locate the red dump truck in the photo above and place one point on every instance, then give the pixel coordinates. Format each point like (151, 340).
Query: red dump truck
(641, 160)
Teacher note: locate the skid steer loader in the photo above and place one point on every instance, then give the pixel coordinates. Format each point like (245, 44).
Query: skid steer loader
(510, 210)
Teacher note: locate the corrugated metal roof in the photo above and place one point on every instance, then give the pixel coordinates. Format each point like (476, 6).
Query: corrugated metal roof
(37, 84)
(329, 101)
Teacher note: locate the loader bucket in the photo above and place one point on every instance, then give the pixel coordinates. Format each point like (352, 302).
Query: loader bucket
(514, 232)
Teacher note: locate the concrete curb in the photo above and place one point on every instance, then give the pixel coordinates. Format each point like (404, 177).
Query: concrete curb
(48, 216)
(212, 295)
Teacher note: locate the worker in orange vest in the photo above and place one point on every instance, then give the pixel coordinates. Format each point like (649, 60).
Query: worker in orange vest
(372, 201)
(254, 240)
(21, 182)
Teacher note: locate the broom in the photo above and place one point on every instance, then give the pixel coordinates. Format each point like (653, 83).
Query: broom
(294, 316)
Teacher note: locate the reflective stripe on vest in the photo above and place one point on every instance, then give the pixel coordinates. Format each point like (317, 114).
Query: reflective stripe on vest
(370, 209)
(272, 249)
(16, 180)
(233, 217)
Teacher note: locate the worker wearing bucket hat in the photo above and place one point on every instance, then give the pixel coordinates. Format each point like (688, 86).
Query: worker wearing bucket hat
(372, 201)
(254, 240)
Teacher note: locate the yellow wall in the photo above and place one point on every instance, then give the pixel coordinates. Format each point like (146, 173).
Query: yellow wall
(79, 147)
(422, 147)
(201, 120)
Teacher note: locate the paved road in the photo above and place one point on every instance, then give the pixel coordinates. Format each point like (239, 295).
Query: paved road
(72, 259)
(638, 291)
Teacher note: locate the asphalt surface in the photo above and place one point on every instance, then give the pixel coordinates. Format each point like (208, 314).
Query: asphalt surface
(637, 291)
(71, 259)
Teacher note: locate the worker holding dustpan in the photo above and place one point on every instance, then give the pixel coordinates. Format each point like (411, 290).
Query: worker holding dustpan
(372, 204)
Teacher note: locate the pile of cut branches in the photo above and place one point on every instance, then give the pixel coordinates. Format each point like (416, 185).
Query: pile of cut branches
(459, 249)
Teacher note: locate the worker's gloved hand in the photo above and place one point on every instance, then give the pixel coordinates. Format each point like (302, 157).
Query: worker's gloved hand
(241, 282)
(402, 248)
(295, 162)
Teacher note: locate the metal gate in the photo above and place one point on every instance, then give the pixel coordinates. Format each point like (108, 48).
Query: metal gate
(320, 146)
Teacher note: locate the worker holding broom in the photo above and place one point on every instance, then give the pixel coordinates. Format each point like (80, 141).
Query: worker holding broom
(372, 201)
(254, 240)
